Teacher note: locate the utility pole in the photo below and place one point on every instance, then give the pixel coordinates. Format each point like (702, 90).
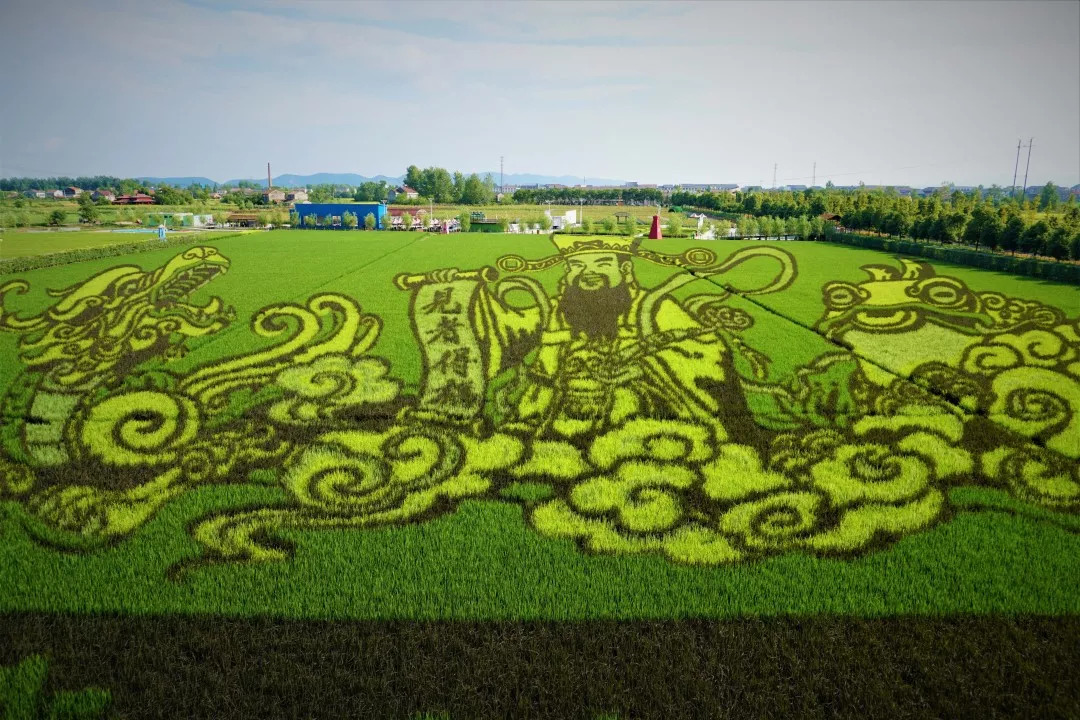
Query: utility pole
(774, 176)
(813, 182)
(1026, 168)
(1016, 167)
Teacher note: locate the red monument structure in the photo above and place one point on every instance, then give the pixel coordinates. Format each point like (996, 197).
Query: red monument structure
(655, 233)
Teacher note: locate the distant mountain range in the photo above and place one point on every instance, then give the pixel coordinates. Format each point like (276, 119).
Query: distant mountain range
(531, 179)
(289, 180)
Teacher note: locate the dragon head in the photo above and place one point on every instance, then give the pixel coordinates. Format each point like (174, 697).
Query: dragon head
(901, 300)
(122, 315)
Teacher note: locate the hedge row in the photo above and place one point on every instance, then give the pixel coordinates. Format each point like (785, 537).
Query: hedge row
(1061, 272)
(36, 262)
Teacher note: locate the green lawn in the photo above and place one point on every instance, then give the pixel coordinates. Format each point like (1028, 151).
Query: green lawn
(306, 426)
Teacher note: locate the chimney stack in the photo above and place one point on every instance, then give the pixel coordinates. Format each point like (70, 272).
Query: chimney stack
(269, 185)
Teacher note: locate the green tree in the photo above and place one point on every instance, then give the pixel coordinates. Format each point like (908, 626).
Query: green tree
(1048, 197)
(608, 224)
(630, 226)
(1074, 245)
(294, 218)
(57, 217)
(1057, 243)
(88, 211)
(586, 225)
(953, 226)
(309, 221)
(369, 221)
(414, 178)
(674, 225)
(1010, 237)
(991, 231)
(545, 223)
(348, 219)
(465, 221)
(803, 228)
(1034, 238)
(476, 192)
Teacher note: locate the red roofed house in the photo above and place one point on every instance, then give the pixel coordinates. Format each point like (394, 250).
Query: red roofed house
(136, 199)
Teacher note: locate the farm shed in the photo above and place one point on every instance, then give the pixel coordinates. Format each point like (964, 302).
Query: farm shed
(243, 219)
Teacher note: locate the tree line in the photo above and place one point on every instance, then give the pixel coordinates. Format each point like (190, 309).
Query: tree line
(1040, 226)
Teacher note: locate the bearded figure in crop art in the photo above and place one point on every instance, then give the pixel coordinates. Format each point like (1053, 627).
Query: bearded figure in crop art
(602, 351)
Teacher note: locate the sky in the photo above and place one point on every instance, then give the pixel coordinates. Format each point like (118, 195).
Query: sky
(878, 92)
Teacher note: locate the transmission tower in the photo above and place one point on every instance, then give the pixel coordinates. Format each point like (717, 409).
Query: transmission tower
(1016, 167)
(1023, 194)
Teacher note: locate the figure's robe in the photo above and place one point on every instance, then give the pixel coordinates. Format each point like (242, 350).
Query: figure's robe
(568, 384)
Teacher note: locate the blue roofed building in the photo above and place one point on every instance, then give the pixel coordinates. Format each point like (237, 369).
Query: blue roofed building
(336, 211)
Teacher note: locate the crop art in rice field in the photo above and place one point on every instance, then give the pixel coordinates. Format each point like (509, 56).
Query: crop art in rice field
(621, 414)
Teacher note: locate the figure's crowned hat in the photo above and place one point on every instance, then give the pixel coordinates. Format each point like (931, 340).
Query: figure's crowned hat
(578, 244)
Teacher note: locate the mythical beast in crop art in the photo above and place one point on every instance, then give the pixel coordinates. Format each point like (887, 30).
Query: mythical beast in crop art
(629, 415)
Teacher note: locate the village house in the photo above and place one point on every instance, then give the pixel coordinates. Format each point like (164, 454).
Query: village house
(72, 192)
(403, 192)
(299, 196)
(274, 196)
(107, 194)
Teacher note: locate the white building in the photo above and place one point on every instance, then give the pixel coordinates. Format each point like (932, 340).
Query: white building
(560, 222)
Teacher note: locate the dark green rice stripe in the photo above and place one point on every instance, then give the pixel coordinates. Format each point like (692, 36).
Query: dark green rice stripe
(909, 667)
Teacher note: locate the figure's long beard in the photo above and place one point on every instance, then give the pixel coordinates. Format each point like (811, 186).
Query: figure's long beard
(595, 312)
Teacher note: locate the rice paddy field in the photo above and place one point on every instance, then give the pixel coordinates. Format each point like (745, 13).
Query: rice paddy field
(30, 242)
(302, 473)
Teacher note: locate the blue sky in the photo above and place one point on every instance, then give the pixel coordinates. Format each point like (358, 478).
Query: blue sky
(911, 93)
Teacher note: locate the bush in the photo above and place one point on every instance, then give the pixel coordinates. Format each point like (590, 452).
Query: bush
(962, 256)
(57, 217)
